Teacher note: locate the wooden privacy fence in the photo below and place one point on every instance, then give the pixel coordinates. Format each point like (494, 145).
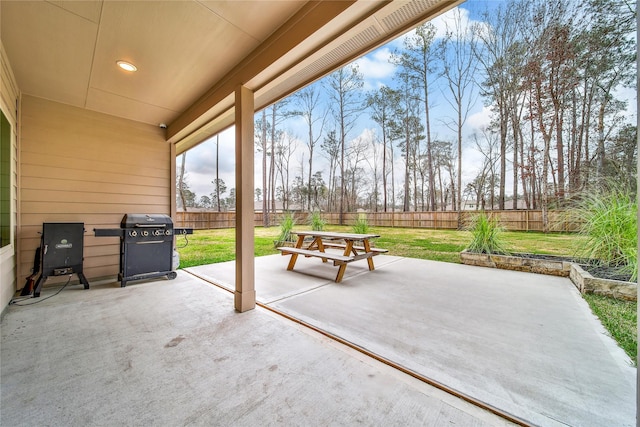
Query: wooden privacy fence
(520, 220)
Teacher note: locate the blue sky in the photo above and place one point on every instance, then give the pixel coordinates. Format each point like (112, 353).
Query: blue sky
(377, 71)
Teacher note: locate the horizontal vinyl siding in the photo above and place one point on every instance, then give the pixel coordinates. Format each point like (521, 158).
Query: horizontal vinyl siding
(82, 166)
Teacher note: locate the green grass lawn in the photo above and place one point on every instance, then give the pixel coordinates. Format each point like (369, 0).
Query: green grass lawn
(212, 246)
(619, 317)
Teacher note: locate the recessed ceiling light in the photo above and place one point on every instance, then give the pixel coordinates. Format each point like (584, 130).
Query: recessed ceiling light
(127, 66)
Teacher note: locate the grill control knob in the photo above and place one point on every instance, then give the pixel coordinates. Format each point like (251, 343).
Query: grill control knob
(168, 232)
(157, 232)
(133, 233)
(145, 233)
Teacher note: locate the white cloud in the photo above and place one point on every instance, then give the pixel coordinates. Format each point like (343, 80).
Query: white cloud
(441, 24)
(447, 21)
(376, 68)
(481, 119)
(201, 163)
(630, 96)
(376, 65)
(377, 71)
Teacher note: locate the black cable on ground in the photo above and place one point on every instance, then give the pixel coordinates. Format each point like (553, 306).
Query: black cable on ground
(185, 244)
(18, 301)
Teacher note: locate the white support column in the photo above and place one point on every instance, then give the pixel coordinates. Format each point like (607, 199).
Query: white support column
(245, 295)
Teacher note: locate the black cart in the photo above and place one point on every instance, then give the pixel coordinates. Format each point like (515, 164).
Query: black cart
(146, 246)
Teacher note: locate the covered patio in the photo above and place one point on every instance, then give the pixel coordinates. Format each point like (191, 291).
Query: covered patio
(174, 353)
(85, 141)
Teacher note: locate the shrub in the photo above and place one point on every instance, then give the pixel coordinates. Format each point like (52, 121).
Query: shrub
(361, 226)
(486, 236)
(316, 222)
(609, 224)
(286, 226)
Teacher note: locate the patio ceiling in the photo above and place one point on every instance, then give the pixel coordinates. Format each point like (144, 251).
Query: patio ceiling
(191, 55)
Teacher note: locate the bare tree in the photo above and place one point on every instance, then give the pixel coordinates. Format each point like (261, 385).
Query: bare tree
(382, 105)
(418, 61)
(344, 88)
(486, 181)
(459, 70)
(496, 35)
(372, 161)
(443, 159)
(278, 114)
(331, 148)
(181, 182)
(284, 149)
(262, 145)
(408, 130)
(218, 170)
(308, 102)
(357, 153)
(610, 60)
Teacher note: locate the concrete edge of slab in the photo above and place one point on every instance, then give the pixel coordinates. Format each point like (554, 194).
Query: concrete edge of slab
(229, 287)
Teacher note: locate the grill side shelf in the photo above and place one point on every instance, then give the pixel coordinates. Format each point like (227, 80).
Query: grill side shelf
(108, 232)
(181, 231)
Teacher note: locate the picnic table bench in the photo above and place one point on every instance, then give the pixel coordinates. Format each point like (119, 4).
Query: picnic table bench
(321, 240)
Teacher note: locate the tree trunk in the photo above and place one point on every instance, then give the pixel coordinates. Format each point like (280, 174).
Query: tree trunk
(503, 156)
(218, 171)
(272, 172)
(384, 167)
(181, 181)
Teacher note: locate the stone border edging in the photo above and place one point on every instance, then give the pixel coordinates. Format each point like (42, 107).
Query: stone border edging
(587, 284)
(582, 280)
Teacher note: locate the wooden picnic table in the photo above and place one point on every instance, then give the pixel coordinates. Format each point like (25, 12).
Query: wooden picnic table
(313, 244)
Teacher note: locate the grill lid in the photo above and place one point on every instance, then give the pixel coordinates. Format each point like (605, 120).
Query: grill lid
(146, 220)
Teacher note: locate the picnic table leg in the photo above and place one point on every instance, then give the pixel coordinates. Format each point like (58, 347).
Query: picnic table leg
(367, 248)
(343, 266)
(341, 271)
(318, 241)
(294, 257)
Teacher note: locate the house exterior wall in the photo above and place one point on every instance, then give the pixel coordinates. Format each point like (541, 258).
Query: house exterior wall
(83, 166)
(8, 103)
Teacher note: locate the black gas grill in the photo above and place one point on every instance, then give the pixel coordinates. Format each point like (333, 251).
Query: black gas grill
(146, 246)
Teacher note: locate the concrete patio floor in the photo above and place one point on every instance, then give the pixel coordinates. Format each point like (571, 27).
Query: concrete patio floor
(525, 343)
(173, 352)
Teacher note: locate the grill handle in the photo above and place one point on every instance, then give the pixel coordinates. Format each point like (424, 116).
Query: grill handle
(150, 225)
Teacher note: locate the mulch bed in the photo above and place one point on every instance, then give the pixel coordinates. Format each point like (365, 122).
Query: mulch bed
(593, 267)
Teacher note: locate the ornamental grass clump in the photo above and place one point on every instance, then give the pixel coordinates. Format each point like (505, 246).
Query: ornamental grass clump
(486, 236)
(608, 222)
(286, 226)
(361, 226)
(316, 221)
